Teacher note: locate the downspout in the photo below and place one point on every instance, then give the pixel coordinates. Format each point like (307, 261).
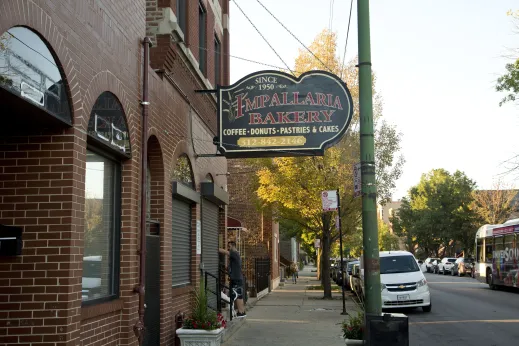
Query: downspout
(139, 327)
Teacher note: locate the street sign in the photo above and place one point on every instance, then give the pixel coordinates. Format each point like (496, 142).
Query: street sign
(329, 199)
(357, 184)
(317, 243)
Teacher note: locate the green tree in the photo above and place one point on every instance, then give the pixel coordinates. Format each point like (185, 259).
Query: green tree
(496, 205)
(509, 82)
(386, 240)
(438, 210)
(293, 185)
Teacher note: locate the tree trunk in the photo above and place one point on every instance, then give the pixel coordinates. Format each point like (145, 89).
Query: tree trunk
(325, 259)
(318, 263)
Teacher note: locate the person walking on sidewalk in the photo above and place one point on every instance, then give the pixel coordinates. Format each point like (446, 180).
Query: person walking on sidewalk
(236, 277)
(295, 272)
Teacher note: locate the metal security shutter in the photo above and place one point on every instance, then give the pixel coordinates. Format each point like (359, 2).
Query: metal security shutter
(210, 247)
(181, 239)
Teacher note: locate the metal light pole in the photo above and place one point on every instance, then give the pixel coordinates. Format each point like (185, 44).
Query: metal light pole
(342, 258)
(367, 154)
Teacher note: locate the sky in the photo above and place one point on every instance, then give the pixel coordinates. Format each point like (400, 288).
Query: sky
(436, 63)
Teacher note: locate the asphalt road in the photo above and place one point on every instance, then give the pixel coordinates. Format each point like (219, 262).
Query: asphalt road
(465, 312)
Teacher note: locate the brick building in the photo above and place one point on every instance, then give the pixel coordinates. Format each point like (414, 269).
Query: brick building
(261, 241)
(72, 85)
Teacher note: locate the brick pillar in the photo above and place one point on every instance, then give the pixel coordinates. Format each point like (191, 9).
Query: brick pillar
(41, 191)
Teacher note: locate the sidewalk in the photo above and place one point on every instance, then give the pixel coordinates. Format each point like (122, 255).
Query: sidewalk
(292, 315)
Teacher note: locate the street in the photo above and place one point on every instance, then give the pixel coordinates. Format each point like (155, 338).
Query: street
(465, 312)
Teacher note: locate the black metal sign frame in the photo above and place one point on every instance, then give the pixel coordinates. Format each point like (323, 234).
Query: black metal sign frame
(272, 113)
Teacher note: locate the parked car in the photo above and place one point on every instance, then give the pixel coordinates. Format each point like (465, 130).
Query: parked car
(434, 266)
(357, 280)
(348, 272)
(463, 266)
(421, 265)
(429, 263)
(403, 283)
(334, 270)
(446, 265)
(337, 275)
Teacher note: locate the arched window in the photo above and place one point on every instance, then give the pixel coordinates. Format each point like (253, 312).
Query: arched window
(29, 71)
(107, 123)
(183, 172)
(209, 178)
(108, 143)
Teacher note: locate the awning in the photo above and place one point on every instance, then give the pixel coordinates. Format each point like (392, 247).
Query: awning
(234, 224)
(214, 193)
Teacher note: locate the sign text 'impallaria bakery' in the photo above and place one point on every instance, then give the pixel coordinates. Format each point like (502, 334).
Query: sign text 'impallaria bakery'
(270, 113)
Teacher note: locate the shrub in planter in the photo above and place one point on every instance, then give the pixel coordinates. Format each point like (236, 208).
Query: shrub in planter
(201, 317)
(202, 326)
(353, 328)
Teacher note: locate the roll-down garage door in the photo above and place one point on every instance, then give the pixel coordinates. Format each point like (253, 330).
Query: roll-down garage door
(181, 240)
(210, 247)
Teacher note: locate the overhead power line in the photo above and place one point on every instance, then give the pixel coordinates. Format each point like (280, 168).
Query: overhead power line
(34, 50)
(330, 21)
(263, 37)
(246, 59)
(294, 36)
(330, 27)
(346, 44)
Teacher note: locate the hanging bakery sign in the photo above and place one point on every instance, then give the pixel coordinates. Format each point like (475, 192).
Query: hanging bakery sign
(271, 113)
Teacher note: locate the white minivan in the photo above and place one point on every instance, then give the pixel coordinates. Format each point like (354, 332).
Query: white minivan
(403, 283)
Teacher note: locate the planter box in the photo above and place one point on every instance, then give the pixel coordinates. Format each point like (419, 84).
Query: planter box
(199, 337)
(354, 342)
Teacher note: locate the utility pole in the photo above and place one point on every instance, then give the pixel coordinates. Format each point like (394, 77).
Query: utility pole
(342, 258)
(367, 158)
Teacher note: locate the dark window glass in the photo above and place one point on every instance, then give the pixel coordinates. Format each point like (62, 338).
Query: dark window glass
(217, 61)
(181, 15)
(101, 240)
(28, 69)
(489, 249)
(398, 264)
(108, 124)
(479, 251)
(202, 34)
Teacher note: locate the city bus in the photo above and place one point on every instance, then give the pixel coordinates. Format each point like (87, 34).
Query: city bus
(497, 254)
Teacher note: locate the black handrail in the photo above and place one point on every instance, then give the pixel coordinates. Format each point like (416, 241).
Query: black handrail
(218, 295)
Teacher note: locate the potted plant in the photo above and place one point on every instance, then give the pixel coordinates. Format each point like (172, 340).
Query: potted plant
(202, 326)
(353, 328)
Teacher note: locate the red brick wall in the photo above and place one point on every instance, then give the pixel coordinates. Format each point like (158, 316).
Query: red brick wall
(98, 45)
(37, 192)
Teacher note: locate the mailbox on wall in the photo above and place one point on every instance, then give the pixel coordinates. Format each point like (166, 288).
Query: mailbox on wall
(10, 241)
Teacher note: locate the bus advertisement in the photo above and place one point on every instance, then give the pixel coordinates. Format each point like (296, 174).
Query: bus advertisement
(497, 254)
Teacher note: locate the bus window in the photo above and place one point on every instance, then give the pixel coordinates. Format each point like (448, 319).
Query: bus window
(509, 245)
(488, 250)
(479, 251)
